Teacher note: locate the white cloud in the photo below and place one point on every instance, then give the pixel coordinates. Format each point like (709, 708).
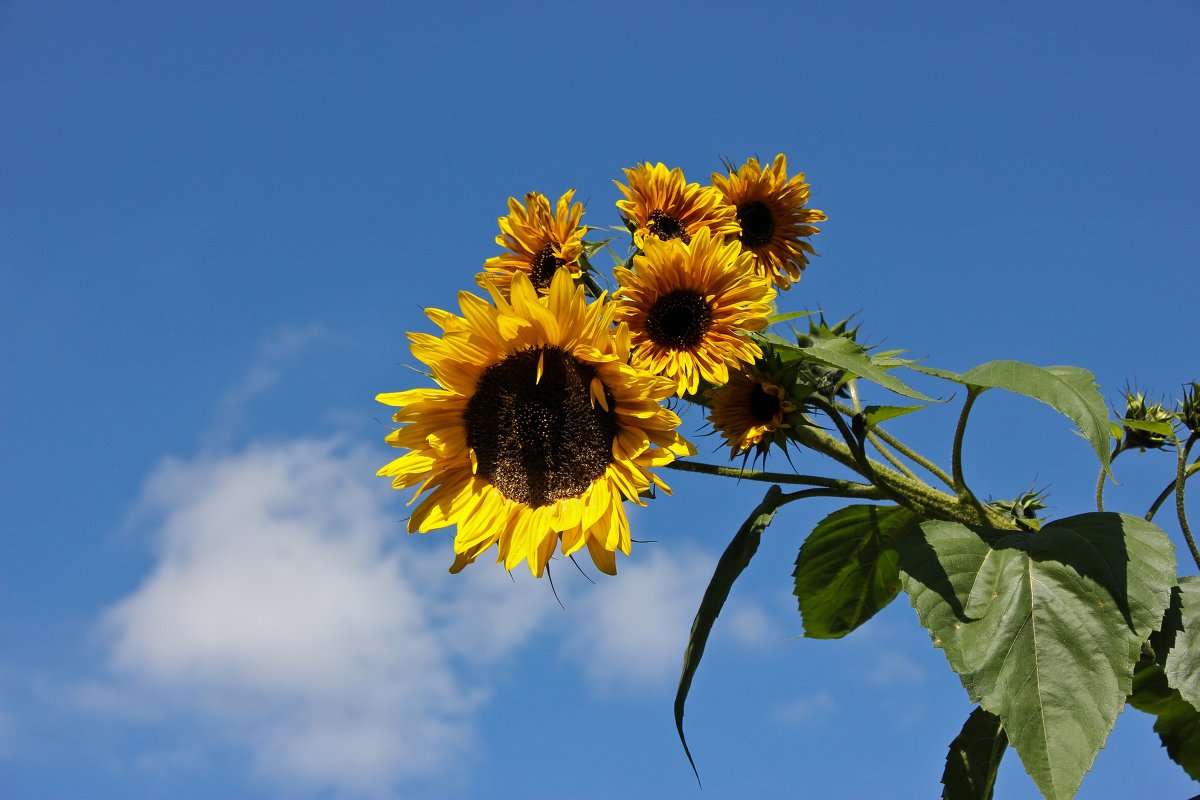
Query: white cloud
(279, 614)
(638, 624)
(277, 610)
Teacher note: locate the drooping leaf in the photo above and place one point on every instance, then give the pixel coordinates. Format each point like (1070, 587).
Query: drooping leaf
(1177, 723)
(846, 354)
(1159, 428)
(1043, 628)
(847, 568)
(775, 319)
(877, 414)
(1178, 642)
(736, 557)
(1071, 391)
(974, 758)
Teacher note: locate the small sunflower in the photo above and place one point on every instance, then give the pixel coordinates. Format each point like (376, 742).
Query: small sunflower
(662, 205)
(539, 242)
(687, 306)
(750, 411)
(772, 219)
(539, 431)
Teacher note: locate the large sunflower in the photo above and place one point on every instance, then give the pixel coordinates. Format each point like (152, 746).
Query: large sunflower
(687, 306)
(539, 241)
(539, 430)
(662, 205)
(772, 219)
(750, 411)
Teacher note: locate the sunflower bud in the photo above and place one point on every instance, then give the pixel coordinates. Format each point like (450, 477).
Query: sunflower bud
(828, 382)
(1024, 509)
(1147, 423)
(1189, 407)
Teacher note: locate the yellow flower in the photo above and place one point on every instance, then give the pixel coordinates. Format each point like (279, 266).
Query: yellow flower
(539, 431)
(749, 411)
(687, 306)
(539, 242)
(772, 219)
(663, 206)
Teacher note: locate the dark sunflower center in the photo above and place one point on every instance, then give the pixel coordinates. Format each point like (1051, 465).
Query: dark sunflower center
(763, 406)
(666, 227)
(758, 223)
(679, 319)
(540, 441)
(543, 267)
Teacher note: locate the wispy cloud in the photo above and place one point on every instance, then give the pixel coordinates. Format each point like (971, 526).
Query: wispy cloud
(277, 609)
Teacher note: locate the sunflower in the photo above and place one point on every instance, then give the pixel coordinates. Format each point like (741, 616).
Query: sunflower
(687, 306)
(772, 219)
(661, 205)
(539, 242)
(539, 430)
(750, 411)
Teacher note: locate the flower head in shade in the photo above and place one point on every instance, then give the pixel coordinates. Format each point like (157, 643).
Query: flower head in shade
(539, 429)
(661, 205)
(773, 221)
(750, 412)
(688, 306)
(539, 241)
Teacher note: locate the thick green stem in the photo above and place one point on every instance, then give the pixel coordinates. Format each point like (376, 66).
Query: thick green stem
(1180, 483)
(912, 494)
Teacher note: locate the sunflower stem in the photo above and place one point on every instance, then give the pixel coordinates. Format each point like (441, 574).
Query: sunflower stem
(1191, 470)
(912, 494)
(1180, 483)
(909, 453)
(960, 484)
(1104, 473)
(771, 477)
(892, 458)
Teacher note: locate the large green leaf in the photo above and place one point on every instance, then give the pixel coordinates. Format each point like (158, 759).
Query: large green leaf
(1178, 643)
(736, 557)
(1043, 628)
(974, 758)
(1177, 723)
(848, 355)
(847, 569)
(1071, 391)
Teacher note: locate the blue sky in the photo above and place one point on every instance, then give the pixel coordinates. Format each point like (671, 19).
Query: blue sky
(217, 221)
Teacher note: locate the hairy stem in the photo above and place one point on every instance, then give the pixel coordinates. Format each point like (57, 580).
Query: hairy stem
(913, 456)
(959, 483)
(889, 455)
(1100, 482)
(1180, 483)
(773, 477)
(1191, 470)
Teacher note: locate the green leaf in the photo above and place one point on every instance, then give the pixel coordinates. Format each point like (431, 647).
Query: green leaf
(775, 319)
(1043, 628)
(736, 557)
(974, 758)
(848, 355)
(1178, 643)
(1177, 723)
(1071, 391)
(847, 569)
(877, 414)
